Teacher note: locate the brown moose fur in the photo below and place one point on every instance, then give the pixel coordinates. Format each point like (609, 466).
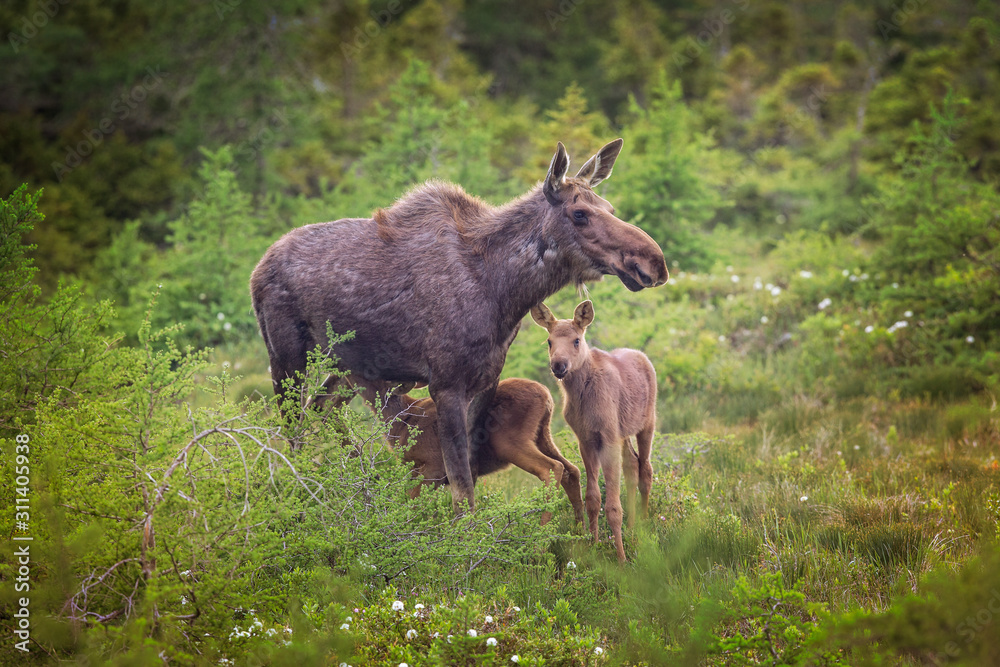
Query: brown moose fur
(435, 286)
(607, 398)
(518, 422)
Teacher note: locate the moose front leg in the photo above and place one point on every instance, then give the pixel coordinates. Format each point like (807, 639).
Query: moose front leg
(453, 434)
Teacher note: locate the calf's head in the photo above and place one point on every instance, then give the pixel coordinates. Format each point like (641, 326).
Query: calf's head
(568, 349)
(600, 243)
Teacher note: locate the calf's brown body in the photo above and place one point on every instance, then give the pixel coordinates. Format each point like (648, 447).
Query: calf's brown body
(519, 425)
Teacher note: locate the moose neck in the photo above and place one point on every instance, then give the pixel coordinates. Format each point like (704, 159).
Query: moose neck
(524, 264)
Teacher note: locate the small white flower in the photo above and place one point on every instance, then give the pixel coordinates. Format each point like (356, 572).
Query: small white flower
(768, 287)
(775, 291)
(757, 284)
(853, 278)
(449, 638)
(397, 606)
(184, 600)
(722, 339)
(845, 273)
(803, 499)
(824, 304)
(806, 274)
(895, 286)
(185, 573)
(435, 635)
(411, 633)
(856, 447)
(491, 642)
(864, 276)
(735, 278)
(271, 632)
(345, 626)
(570, 565)
(869, 329)
(908, 313)
(472, 633)
(515, 658)
(489, 619)
(221, 316)
(763, 319)
(227, 326)
(344, 664)
(663, 518)
(671, 281)
(598, 650)
(517, 609)
(403, 664)
(729, 269)
(349, 619)
(970, 339)
(418, 606)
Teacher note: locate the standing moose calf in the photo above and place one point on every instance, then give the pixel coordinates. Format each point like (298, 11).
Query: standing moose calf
(607, 398)
(519, 422)
(435, 286)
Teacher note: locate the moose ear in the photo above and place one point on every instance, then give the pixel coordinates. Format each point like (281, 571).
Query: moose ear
(543, 316)
(556, 177)
(584, 315)
(599, 167)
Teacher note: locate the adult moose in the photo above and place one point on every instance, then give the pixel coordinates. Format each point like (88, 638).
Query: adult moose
(435, 286)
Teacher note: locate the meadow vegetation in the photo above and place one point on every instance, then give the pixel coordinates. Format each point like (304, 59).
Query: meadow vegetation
(827, 463)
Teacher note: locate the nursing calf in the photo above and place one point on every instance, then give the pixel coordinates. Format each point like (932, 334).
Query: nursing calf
(518, 422)
(608, 397)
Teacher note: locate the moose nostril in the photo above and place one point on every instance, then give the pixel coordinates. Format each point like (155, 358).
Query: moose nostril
(642, 275)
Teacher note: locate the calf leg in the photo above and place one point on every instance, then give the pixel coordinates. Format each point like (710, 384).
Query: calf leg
(570, 479)
(592, 464)
(611, 462)
(645, 441)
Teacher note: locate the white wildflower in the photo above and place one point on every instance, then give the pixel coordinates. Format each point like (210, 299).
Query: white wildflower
(775, 291)
(722, 339)
(735, 278)
(345, 626)
(472, 633)
(411, 633)
(763, 319)
(227, 326)
(491, 641)
(853, 278)
(824, 304)
(908, 313)
(418, 606)
(803, 499)
(570, 565)
(489, 619)
(869, 329)
(806, 274)
(598, 650)
(970, 339)
(517, 609)
(221, 316)
(845, 273)
(397, 606)
(515, 658)
(895, 286)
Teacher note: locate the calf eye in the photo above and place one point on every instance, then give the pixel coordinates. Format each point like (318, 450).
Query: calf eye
(579, 217)
(576, 343)
(550, 344)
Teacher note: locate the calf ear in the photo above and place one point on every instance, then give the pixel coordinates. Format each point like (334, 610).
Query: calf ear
(584, 315)
(599, 167)
(543, 316)
(556, 178)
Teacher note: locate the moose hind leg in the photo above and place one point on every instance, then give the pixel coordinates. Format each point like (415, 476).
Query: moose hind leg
(630, 468)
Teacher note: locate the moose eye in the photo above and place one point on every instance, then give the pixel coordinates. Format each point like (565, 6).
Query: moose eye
(550, 344)
(579, 217)
(576, 343)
